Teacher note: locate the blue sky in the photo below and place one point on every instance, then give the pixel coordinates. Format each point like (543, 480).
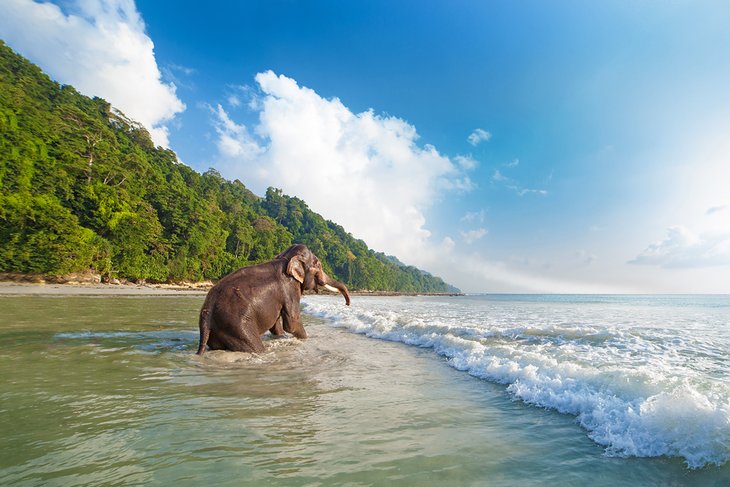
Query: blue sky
(505, 146)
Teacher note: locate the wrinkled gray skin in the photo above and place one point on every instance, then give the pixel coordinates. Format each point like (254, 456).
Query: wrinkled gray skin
(246, 303)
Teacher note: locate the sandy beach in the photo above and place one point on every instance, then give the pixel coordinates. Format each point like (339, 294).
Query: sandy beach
(17, 288)
(11, 288)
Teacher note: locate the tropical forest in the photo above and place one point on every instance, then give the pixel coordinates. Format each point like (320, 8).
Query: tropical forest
(84, 189)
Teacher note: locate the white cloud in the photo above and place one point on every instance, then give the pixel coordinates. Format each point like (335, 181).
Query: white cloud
(99, 47)
(466, 162)
(682, 248)
(234, 101)
(473, 235)
(464, 184)
(474, 216)
(364, 171)
(513, 163)
(479, 135)
(448, 245)
(524, 191)
(234, 140)
(514, 185)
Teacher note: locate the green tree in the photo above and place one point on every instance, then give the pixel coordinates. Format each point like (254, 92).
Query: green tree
(83, 187)
(37, 234)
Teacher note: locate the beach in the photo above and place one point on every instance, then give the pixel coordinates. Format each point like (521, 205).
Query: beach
(104, 387)
(131, 289)
(35, 289)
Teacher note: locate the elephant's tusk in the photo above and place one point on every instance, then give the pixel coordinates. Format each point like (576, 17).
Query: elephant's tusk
(332, 289)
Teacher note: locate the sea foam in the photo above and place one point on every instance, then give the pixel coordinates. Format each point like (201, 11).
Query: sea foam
(634, 386)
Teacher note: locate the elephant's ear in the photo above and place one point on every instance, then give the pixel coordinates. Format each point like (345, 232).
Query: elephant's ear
(295, 268)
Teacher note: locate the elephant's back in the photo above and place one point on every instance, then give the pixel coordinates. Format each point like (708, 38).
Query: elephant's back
(251, 274)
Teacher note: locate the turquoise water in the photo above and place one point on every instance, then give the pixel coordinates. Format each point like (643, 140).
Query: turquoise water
(107, 390)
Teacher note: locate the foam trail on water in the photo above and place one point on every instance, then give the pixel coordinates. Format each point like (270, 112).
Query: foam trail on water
(638, 390)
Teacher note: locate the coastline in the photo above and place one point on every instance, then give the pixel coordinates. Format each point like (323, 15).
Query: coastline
(396, 294)
(38, 289)
(131, 289)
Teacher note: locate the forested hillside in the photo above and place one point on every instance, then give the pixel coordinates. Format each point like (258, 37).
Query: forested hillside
(84, 188)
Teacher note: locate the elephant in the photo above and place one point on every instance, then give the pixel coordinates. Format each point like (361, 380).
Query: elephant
(246, 303)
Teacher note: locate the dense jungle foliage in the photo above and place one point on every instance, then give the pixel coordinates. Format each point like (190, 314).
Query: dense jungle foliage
(84, 188)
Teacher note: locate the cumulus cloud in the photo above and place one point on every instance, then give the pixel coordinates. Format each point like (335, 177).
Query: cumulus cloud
(363, 170)
(367, 172)
(682, 248)
(479, 135)
(99, 47)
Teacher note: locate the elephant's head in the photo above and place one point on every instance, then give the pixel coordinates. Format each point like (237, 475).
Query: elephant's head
(306, 268)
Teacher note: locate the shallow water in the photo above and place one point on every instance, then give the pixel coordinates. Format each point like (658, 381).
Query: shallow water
(107, 390)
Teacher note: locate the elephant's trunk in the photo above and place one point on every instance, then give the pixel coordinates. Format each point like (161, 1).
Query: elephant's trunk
(335, 286)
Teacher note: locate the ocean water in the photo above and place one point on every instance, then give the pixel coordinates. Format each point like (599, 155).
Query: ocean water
(644, 376)
(473, 390)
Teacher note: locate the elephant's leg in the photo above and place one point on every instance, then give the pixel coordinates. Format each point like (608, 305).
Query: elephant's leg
(278, 328)
(246, 341)
(214, 343)
(246, 344)
(292, 321)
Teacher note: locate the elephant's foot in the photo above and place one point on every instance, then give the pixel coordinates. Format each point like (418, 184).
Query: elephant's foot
(300, 334)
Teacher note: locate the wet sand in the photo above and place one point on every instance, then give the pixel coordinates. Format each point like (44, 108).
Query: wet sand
(11, 288)
(16, 288)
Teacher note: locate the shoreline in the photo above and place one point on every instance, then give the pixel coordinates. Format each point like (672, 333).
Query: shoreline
(48, 289)
(14, 288)
(399, 293)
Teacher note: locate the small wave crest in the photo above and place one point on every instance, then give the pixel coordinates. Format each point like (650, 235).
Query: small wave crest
(621, 390)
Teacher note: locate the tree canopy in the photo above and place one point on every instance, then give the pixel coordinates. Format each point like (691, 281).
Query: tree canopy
(84, 188)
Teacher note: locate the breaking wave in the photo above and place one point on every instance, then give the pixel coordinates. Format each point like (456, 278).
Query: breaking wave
(643, 381)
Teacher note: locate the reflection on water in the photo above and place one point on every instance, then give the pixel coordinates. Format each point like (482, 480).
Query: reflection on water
(107, 390)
